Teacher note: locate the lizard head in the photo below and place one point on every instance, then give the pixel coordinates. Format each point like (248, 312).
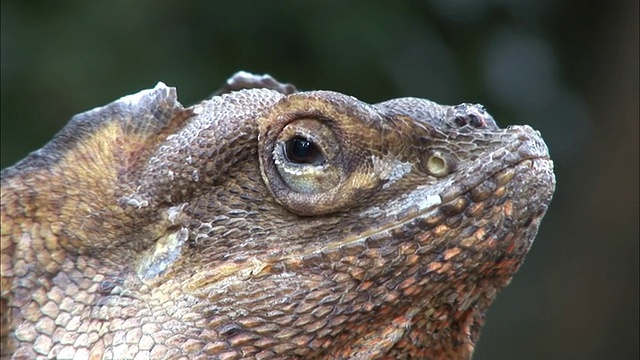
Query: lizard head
(305, 224)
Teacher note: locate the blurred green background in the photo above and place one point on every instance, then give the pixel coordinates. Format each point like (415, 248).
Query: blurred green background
(568, 68)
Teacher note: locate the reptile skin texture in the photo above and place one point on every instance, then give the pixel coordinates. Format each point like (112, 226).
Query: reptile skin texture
(266, 223)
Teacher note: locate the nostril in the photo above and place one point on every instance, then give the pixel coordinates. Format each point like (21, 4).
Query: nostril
(473, 115)
(476, 122)
(460, 121)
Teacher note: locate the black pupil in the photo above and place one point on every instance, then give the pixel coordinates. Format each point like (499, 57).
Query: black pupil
(302, 151)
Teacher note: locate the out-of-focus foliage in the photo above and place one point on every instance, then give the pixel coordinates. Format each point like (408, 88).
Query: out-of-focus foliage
(568, 68)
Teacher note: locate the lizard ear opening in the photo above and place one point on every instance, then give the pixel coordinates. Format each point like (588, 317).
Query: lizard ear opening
(306, 159)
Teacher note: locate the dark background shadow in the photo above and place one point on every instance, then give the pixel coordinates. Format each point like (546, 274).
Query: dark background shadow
(568, 68)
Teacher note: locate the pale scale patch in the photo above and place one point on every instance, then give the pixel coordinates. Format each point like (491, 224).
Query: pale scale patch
(390, 169)
(134, 99)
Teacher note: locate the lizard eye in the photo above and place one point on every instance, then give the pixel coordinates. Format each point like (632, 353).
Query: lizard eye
(303, 151)
(313, 157)
(304, 156)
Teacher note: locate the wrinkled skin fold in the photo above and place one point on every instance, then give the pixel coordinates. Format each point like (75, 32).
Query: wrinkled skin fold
(266, 223)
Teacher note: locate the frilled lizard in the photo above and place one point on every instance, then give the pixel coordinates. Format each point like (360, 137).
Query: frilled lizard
(266, 223)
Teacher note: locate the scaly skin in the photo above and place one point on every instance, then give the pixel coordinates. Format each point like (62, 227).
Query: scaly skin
(145, 230)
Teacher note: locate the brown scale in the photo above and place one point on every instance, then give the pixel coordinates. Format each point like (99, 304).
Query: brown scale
(266, 223)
